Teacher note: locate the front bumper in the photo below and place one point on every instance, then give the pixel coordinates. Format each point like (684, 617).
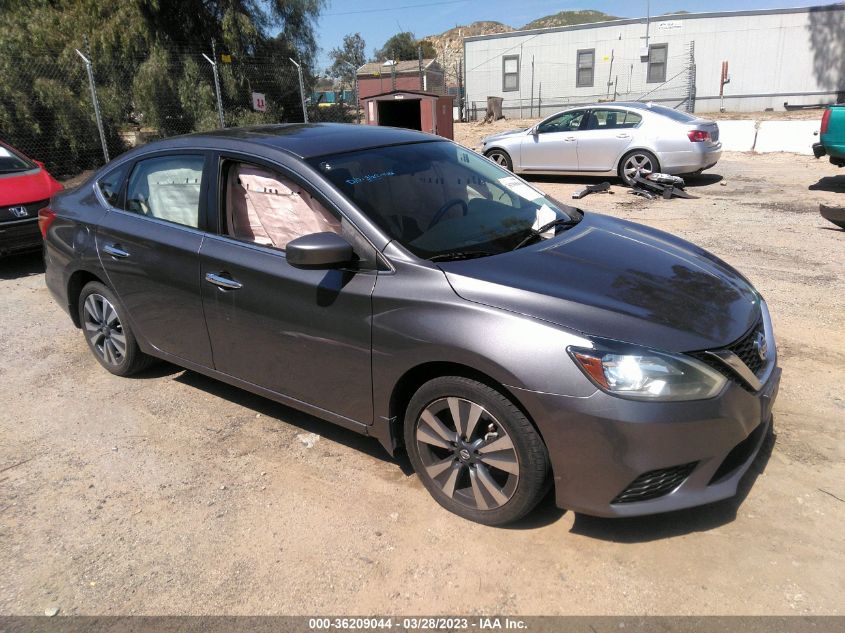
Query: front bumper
(602, 446)
(18, 236)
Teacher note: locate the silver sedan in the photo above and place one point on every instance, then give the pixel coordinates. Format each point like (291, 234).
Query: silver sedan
(618, 138)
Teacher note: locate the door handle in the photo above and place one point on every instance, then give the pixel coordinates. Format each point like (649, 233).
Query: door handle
(115, 251)
(225, 282)
(569, 138)
(623, 135)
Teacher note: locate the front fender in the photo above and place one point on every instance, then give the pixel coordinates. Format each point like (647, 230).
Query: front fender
(419, 319)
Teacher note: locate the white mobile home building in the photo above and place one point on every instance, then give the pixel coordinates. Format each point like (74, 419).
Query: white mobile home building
(773, 57)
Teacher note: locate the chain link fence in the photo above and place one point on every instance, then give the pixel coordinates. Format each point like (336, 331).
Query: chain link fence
(554, 87)
(75, 112)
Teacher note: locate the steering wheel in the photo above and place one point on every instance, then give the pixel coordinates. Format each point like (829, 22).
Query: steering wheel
(442, 210)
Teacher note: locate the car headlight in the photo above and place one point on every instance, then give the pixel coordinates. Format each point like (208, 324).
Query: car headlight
(646, 374)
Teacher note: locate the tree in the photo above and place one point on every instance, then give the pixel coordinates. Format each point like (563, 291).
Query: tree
(404, 46)
(147, 66)
(347, 59)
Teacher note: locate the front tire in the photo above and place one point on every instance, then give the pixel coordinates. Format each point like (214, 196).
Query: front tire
(107, 332)
(501, 158)
(475, 451)
(638, 160)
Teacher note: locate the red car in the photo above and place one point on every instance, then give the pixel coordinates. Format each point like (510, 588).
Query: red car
(25, 187)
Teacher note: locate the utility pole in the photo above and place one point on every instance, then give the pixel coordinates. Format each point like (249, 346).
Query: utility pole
(419, 55)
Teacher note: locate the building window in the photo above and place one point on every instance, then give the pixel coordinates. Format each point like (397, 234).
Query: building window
(510, 73)
(657, 63)
(586, 68)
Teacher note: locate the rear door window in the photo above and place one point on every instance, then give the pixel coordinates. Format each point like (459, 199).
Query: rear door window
(167, 188)
(111, 184)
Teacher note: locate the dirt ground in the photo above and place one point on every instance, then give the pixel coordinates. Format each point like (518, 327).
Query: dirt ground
(171, 493)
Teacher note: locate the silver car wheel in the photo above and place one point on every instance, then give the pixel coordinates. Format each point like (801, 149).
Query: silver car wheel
(467, 453)
(499, 159)
(104, 330)
(637, 163)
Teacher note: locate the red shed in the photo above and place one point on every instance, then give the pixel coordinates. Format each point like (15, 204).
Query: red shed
(414, 110)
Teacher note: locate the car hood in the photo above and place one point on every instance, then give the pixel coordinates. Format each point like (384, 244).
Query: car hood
(501, 135)
(33, 185)
(615, 279)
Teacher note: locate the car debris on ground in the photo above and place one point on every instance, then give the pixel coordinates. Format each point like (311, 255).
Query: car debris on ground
(602, 187)
(651, 186)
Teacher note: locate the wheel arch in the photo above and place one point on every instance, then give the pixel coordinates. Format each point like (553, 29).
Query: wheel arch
(414, 378)
(504, 150)
(76, 282)
(629, 150)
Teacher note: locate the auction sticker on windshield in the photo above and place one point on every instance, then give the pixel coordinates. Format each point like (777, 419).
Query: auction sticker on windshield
(512, 183)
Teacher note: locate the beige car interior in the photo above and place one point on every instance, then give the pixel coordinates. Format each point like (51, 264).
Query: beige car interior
(265, 208)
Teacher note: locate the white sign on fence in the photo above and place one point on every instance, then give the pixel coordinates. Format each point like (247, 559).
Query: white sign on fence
(258, 102)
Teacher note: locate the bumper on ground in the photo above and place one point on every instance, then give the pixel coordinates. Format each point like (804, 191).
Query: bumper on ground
(614, 457)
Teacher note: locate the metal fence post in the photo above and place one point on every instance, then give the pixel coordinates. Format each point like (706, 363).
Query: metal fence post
(213, 63)
(96, 104)
(301, 90)
(691, 79)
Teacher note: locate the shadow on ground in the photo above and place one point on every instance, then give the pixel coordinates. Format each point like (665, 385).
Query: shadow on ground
(671, 524)
(23, 265)
(288, 415)
(833, 184)
(700, 180)
(623, 530)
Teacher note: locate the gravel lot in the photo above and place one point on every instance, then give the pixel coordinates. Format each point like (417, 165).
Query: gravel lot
(171, 493)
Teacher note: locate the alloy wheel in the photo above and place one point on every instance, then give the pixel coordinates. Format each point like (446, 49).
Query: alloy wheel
(499, 159)
(104, 330)
(637, 163)
(467, 453)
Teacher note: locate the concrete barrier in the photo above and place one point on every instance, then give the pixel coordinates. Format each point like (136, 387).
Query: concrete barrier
(787, 136)
(737, 136)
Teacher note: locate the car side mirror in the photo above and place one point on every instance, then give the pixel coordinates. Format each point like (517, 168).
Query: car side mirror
(318, 250)
(39, 163)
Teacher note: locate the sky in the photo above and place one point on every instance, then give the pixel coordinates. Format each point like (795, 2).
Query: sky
(377, 20)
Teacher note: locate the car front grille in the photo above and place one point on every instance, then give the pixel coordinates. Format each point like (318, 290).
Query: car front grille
(745, 349)
(655, 483)
(32, 209)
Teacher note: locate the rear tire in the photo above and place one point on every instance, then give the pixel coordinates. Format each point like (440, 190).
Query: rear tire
(501, 158)
(107, 332)
(475, 451)
(639, 159)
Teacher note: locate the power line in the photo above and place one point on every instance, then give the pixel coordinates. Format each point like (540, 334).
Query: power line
(407, 6)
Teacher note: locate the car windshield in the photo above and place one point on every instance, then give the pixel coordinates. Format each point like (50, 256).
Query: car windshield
(11, 162)
(442, 201)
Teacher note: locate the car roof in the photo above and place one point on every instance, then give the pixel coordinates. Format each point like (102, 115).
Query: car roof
(308, 140)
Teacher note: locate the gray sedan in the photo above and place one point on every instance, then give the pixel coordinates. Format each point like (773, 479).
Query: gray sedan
(620, 138)
(406, 288)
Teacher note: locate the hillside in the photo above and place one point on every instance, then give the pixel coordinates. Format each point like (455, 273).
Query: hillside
(567, 18)
(449, 44)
